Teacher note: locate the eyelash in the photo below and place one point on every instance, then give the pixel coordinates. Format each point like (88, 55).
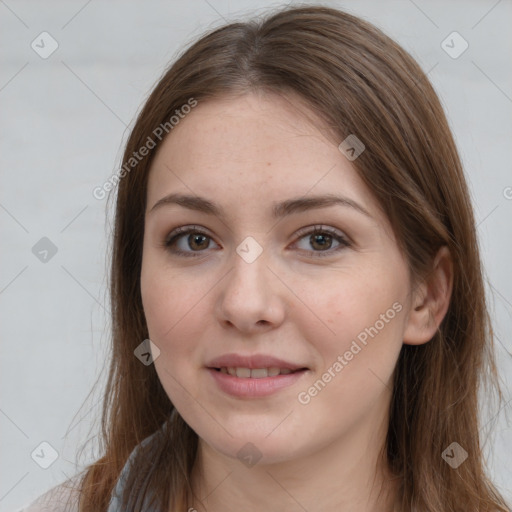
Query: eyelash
(173, 237)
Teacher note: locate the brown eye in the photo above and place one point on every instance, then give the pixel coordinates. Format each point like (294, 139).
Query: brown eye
(321, 239)
(196, 242)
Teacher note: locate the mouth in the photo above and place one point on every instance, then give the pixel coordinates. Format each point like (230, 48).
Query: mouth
(256, 373)
(247, 376)
(252, 383)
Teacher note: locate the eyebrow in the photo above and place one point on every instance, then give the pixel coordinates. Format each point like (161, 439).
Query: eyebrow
(279, 210)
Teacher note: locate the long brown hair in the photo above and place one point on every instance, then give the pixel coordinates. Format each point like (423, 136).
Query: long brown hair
(358, 81)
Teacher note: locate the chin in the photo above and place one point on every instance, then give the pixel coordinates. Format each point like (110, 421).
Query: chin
(256, 448)
(256, 451)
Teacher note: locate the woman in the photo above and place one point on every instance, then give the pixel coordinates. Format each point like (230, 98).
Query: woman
(294, 235)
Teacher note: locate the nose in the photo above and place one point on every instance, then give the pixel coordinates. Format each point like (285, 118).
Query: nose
(251, 297)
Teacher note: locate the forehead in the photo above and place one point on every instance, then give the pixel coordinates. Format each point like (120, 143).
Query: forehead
(255, 147)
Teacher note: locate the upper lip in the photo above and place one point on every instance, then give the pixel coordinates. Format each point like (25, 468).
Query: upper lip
(251, 362)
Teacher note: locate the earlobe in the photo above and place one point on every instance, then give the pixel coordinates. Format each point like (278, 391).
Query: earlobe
(430, 301)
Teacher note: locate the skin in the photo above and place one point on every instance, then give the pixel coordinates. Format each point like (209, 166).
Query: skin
(245, 153)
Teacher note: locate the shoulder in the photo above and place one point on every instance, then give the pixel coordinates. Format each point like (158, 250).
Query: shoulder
(64, 497)
(61, 498)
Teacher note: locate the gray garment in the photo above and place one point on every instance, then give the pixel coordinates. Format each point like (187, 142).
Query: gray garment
(115, 501)
(64, 497)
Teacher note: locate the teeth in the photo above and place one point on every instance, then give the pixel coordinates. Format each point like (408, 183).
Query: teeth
(243, 373)
(255, 373)
(258, 373)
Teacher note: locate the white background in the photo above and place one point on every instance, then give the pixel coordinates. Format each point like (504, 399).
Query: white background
(64, 120)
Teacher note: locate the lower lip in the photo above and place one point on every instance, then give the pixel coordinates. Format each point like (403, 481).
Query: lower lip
(253, 388)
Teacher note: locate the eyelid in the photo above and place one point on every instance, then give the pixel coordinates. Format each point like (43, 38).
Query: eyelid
(182, 230)
(322, 228)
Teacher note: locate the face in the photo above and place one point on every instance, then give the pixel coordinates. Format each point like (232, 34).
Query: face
(277, 316)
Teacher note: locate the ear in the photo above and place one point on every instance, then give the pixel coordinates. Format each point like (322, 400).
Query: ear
(430, 301)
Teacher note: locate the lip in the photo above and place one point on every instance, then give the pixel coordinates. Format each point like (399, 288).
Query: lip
(252, 361)
(251, 387)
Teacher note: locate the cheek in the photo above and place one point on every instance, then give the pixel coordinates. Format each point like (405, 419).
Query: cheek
(165, 300)
(356, 362)
(171, 307)
(362, 321)
(177, 308)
